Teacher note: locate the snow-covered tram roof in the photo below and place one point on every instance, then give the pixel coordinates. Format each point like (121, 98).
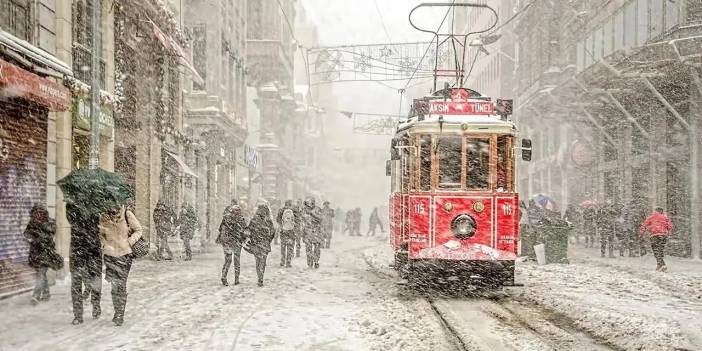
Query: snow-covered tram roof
(463, 124)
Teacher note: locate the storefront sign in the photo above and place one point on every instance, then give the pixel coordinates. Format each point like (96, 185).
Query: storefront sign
(17, 82)
(81, 116)
(248, 156)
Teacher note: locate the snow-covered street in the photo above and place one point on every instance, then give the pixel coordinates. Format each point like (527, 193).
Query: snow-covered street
(354, 302)
(182, 306)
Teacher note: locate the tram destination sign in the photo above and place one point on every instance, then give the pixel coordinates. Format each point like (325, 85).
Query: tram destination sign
(486, 108)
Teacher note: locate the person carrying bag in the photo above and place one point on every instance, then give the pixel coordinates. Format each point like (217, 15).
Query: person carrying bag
(119, 232)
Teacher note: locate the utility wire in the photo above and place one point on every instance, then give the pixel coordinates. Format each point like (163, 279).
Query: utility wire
(523, 10)
(382, 21)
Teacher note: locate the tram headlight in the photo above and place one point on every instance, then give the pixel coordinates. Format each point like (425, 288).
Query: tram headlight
(463, 226)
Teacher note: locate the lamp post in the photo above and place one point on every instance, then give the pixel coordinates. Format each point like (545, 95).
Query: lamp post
(95, 87)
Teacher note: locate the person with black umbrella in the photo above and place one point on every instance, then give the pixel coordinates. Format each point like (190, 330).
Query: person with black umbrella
(85, 257)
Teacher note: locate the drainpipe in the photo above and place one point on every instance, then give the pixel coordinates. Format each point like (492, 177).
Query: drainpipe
(694, 172)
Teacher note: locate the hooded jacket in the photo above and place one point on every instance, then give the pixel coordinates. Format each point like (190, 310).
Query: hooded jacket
(657, 224)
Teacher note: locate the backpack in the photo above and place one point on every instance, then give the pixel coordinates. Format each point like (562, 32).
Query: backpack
(288, 219)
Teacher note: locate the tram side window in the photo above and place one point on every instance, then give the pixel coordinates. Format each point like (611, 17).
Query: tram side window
(504, 159)
(425, 163)
(478, 164)
(449, 150)
(406, 162)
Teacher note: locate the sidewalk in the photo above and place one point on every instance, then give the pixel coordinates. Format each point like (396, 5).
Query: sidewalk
(684, 276)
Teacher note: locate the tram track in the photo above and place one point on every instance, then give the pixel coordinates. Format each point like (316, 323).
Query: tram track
(498, 320)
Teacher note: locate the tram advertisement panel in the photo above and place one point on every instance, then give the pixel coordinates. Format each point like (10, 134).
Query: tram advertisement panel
(420, 218)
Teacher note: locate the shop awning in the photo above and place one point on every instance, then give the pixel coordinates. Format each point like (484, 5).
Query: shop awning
(170, 44)
(20, 83)
(181, 163)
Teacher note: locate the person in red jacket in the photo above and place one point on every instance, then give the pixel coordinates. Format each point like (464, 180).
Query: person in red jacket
(659, 226)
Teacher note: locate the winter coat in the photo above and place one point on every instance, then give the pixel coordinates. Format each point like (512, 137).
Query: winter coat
(327, 218)
(42, 247)
(608, 219)
(312, 219)
(119, 232)
(657, 224)
(261, 232)
(374, 218)
(85, 247)
(188, 223)
(164, 218)
(232, 230)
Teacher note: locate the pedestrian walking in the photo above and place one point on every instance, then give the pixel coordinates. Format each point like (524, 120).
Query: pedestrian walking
(327, 224)
(286, 223)
(188, 223)
(606, 226)
(357, 217)
(119, 231)
(590, 226)
(658, 226)
(85, 257)
(164, 220)
(232, 234)
(635, 216)
(274, 208)
(40, 232)
(261, 233)
(348, 222)
(574, 218)
(373, 222)
(298, 227)
(339, 216)
(313, 232)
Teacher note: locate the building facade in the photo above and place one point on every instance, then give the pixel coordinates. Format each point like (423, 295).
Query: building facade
(215, 108)
(610, 96)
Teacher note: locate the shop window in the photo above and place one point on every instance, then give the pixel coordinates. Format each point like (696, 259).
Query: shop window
(630, 24)
(672, 14)
(618, 31)
(657, 17)
(642, 22)
(608, 37)
(83, 43)
(199, 34)
(450, 155)
(425, 163)
(478, 164)
(14, 17)
(597, 47)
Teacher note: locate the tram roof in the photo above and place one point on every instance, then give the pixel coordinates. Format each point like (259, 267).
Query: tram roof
(464, 124)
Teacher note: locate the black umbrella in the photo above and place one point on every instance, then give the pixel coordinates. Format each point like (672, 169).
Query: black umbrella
(95, 190)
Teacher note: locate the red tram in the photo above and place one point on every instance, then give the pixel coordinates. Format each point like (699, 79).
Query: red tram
(454, 203)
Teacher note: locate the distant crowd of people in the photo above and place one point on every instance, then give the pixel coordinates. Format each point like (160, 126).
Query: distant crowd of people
(297, 224)
(628, 228)
(352, 222)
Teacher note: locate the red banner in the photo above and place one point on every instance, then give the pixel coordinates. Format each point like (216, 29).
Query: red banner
(19, 83)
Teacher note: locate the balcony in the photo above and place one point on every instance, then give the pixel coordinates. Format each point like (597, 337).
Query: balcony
(268, 61)
(82, 62)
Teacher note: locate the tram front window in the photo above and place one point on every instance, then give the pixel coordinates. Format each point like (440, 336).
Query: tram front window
(449, 155)
(478, 165)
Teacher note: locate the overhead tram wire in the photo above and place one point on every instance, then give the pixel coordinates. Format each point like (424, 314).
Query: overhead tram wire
(304, 55)
(428, 47)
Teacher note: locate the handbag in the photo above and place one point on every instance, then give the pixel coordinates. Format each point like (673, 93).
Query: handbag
(55, 260)
(141, 247)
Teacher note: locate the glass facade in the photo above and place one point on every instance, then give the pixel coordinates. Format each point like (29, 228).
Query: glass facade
(636, 23)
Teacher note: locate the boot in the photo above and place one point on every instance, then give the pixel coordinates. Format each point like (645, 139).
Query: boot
(120, 305)
(97, 311)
